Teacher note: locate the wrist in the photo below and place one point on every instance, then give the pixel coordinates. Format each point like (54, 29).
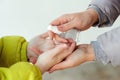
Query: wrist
(42, 69)
(93, 15)
(91, 55)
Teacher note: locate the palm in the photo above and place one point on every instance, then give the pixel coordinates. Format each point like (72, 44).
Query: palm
(82, 54)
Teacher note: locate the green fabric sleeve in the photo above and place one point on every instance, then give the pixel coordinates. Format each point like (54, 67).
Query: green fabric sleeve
(20, 71)
(12, 50)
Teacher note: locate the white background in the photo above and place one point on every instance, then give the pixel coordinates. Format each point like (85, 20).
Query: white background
(31, 17)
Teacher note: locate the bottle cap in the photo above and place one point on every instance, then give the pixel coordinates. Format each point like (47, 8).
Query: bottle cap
(54, 29)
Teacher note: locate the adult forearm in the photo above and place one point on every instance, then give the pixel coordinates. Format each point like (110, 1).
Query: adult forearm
(107, 10)
(107, 47)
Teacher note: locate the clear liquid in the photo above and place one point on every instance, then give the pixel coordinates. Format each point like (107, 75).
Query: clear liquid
(73, 34)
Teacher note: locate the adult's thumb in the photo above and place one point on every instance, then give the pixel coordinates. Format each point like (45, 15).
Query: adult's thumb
(67, 26)
(60, 66)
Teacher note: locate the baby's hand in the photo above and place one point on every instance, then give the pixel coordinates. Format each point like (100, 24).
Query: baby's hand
(52, 57)
(39, 45)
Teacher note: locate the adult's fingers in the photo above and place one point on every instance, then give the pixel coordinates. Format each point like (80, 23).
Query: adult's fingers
(67, 26)
(51, 34)
(59, 21)
(60, 66)
(62, 55)
(72, 47)
(56, 37)
(68, 51)
(57, 50)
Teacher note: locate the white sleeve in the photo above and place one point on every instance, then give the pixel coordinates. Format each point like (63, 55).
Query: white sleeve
(107, 47)
(107, 10)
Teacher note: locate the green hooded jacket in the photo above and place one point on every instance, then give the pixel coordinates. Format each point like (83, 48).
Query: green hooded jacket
(13, 60)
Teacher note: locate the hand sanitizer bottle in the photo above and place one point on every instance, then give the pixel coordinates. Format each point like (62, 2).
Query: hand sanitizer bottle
(73, 33)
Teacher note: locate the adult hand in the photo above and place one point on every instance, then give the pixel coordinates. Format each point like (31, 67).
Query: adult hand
(83, 53)
(51, 57)
(80, 21)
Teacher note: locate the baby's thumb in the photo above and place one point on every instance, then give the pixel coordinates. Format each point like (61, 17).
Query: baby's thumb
(33, 60)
